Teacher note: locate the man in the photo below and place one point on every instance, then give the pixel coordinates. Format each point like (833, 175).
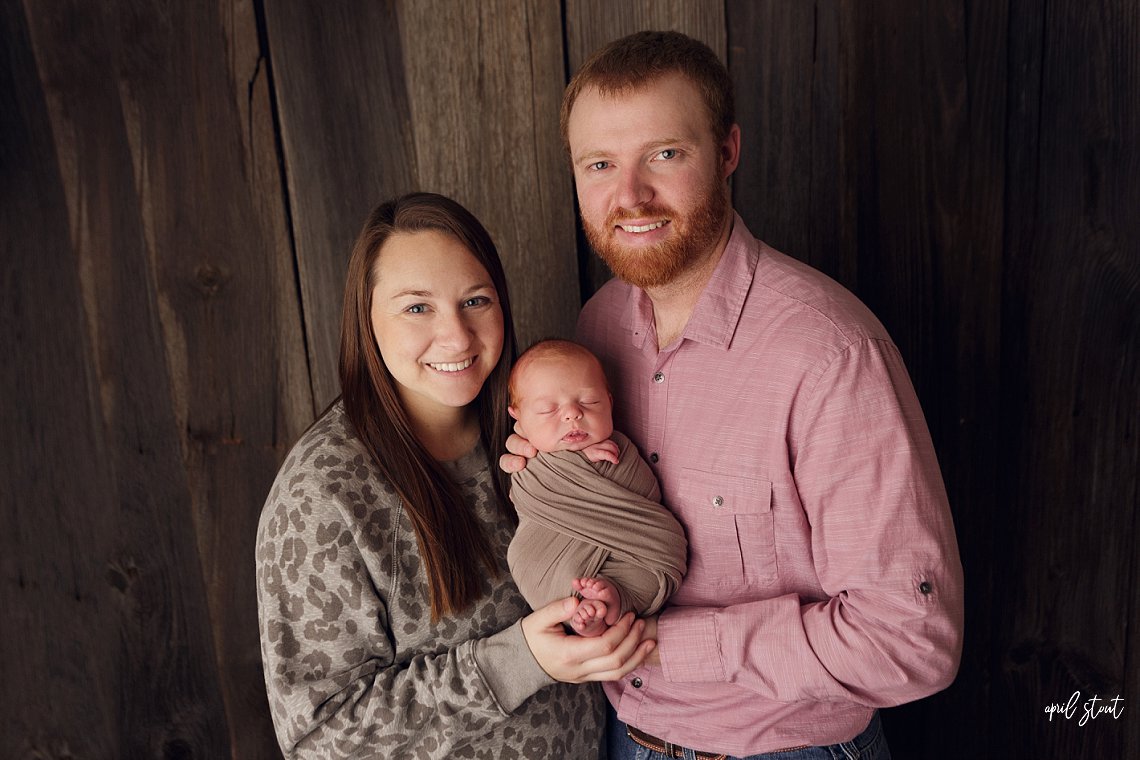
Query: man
(824, 579)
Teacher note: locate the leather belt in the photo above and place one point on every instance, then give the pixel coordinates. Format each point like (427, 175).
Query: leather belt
(669, 750)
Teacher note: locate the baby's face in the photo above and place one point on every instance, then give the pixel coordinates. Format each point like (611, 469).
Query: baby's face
(563, 404)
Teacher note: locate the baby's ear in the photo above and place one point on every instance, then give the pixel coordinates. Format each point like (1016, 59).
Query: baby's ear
(513, 412)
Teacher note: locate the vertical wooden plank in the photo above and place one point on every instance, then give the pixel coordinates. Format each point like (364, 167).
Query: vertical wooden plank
(964, 409)
(487, 134)
(193, 349)
(346, 137)
(1072, 373)
(590, 24)
(60, 618)
(784, 59)
(124, 566)
(198, 119)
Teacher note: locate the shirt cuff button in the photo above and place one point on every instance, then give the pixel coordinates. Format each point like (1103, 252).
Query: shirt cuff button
(635, 683)
(926, 588)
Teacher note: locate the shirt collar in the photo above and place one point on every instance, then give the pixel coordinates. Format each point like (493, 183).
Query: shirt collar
(717, 312)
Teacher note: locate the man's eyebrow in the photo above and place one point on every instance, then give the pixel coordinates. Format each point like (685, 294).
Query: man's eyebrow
(594, 154)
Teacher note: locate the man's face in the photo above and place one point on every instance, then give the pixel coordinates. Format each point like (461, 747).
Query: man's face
(650, 178)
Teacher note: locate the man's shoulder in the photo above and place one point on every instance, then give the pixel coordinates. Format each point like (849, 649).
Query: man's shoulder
(799, 293)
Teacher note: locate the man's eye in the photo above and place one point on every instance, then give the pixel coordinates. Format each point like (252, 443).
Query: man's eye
(597, 166)
(668, 153)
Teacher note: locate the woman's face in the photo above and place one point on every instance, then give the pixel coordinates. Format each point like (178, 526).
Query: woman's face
(437, 321)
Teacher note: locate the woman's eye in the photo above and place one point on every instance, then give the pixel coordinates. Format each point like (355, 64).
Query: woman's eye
(477, 301)
(417, 308)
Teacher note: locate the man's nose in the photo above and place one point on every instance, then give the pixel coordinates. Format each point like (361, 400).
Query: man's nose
(633, 190)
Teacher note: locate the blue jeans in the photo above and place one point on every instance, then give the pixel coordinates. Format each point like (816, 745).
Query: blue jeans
(869, 745)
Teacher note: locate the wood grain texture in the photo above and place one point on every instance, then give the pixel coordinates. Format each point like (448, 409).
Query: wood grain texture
(346, 143)
(1071, 313)
(60, 624)
(486, 134)
(168, 177)
(114, 570)
(785, 62)
(591, 24)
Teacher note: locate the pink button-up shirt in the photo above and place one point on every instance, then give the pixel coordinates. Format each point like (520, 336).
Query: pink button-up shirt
(824, 577)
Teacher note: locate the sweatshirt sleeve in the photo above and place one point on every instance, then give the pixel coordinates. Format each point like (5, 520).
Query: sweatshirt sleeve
(336, 688)
(883, 547)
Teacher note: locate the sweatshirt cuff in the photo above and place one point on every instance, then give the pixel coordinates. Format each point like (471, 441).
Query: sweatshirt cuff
(689, 646)
(508, 667)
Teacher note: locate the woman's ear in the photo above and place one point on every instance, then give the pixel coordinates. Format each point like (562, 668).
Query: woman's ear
(513, 412)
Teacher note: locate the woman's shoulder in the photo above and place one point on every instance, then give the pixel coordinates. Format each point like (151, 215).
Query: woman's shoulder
(329, 471)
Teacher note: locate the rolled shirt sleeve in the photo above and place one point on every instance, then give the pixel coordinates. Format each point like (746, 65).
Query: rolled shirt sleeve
(883, 547)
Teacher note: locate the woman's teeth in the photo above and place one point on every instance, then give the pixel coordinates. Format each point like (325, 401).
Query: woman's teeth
(450, 367)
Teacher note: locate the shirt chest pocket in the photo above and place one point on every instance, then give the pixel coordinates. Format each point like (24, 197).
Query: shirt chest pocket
(730, 527)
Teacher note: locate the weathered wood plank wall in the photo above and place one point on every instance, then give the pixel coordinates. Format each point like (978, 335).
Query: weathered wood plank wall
(180, 185)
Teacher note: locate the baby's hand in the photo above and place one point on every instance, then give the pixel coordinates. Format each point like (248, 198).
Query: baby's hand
(605, 451)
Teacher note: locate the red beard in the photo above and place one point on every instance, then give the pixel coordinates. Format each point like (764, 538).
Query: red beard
(659, 264)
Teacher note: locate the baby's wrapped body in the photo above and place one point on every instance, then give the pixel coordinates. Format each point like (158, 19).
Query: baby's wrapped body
(594, 519)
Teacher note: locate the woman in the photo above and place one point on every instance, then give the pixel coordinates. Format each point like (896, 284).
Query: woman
(389, 625)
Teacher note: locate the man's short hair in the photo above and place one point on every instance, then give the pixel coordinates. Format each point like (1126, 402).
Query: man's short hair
(635, 61)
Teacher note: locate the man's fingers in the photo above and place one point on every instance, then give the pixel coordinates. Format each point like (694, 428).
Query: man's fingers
(516, 444)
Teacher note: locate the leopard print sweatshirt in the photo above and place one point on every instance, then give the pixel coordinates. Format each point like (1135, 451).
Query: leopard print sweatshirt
(354, 667)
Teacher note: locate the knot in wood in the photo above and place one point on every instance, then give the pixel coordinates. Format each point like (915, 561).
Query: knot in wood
(209, 279)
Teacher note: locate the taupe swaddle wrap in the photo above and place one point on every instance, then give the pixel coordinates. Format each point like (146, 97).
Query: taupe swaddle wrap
(584, 519)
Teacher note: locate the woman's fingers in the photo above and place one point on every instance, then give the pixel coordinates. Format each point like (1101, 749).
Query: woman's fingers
(623, 650)
(575, 659)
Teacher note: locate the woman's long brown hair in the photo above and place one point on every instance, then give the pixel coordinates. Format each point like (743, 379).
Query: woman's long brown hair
(455, 550)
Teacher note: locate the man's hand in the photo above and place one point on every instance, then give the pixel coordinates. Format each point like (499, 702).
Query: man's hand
(604, 451)
(520, 450)
(577, 659)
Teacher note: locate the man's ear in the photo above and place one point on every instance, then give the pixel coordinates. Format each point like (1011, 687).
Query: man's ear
(730, 151)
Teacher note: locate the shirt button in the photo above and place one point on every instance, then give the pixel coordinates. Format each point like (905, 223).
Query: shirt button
(926, 588)
(653, 457)
(635, 683)
(718, 501)
(658, 377)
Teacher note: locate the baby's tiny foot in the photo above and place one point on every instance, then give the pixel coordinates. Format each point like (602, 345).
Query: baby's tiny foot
(590, 618)
(600, 590)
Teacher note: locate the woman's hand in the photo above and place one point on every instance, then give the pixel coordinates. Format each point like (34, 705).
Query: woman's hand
(576, 659)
